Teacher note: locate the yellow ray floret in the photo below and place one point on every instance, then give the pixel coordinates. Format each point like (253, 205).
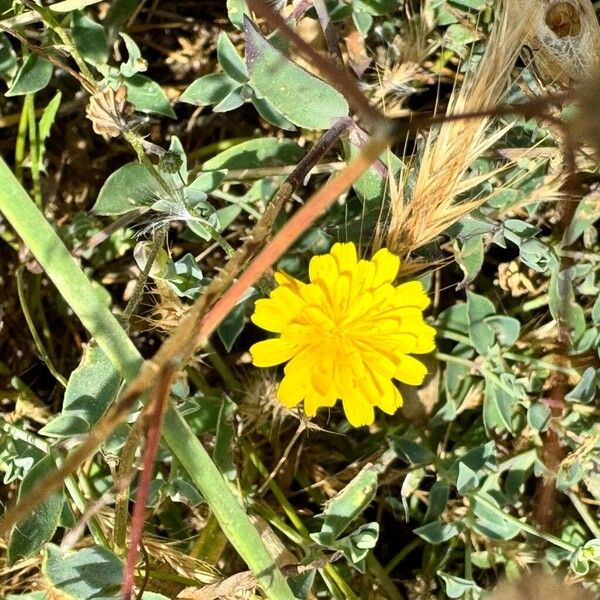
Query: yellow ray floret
(346, 335)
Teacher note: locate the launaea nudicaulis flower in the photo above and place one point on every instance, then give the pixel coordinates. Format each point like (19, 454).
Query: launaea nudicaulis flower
(346, 335)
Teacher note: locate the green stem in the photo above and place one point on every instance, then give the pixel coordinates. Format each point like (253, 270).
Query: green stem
(34, 334)
(217, 147)
(288, 509)
(237, 201)
(222, 369)
(276, 521)
(137, 146)
(21, 141)
(406, 550)
(552, 539)
(87, 304)
(123, 482)
(454, 336)
(535, 303)
(211, 542)
(468, 564)
(583, 510)
(218, 238)
(34, 150)
(384, 581)
(465, 362)
(48, 17)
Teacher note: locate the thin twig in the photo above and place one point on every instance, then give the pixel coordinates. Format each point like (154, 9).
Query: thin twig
(553, 452)
(88, 85)
(331, 38)
(153, 417)
(34, 334)
(136, 295)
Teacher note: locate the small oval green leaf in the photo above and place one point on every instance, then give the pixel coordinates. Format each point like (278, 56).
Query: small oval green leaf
(33, 76)
(147, 96)
(126, 189)
(261, 152)
(90, 38)
(87, 573)
(304, 99)
(230, 60)
(210, 89)
(38, 527)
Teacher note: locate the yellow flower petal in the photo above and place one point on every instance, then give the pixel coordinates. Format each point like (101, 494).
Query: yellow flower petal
(322, 268)
(268, 317)
(358, 412)
(290, 392)
(364, 276)
(412, 293)
(340, 291)
(425, 340)
(321, 377)
(269, 353)
(314, 401)
(391, 400)
(313, 294)
(275, 312)
(410, 370)
(285, 280)
(387, 265)
(345, 256)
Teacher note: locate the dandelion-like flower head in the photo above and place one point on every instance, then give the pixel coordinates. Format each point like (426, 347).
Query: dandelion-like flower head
(347, 334)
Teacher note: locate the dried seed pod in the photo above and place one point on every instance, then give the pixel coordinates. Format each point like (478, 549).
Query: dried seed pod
(106, 111)
(564, 38)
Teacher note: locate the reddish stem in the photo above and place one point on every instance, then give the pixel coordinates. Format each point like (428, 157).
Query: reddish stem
(154, 413)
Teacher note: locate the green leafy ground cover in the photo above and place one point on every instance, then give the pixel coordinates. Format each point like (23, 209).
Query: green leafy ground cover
(120, 212)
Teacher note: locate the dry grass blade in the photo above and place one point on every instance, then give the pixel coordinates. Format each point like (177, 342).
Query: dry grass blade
(449, 153)
(240, 583)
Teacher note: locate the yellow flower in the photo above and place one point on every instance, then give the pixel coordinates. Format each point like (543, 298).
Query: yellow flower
(347, 334)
